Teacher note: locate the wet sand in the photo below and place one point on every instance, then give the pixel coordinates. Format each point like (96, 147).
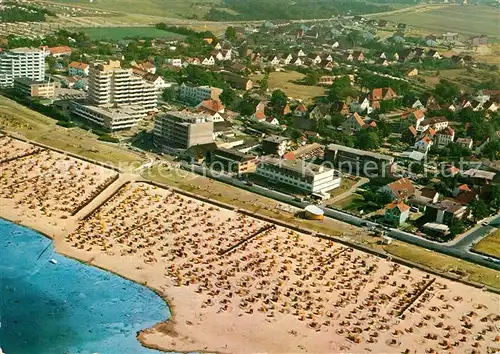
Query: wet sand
(277, 291)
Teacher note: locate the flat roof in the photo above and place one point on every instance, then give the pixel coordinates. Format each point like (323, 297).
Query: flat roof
(275, 139)
(313, 209)
(475, 173)
(298, 166)
(360, 152)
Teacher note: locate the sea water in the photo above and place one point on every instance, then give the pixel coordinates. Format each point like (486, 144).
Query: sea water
(68, 307)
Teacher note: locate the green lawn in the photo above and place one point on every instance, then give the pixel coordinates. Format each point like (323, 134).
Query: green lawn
(466, 20)
(490, 245)
(445, 263)
(118, 33)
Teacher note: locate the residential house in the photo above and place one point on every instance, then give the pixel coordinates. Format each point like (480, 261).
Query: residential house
(445, 137)
(77, 68)
(301, 53)
(274, 60)
(208, 61)
(383, 94)
(478, 177)
(396, 213)
(436, 123)
(449, 36)
(400, 190)
(176, 62)
(465, 142)
(300, 110)
(271, 121)
(287, 59)
(479, 40)
(358, 56)
(424, 144)
(361, 105)
(424, 197)
(236, 81)
(445, 211)
(434, 54)
(326, 80)
(412, 73)
(353, 124)
(316, 59)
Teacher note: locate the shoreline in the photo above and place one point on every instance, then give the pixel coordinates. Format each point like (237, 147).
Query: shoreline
(282, 290)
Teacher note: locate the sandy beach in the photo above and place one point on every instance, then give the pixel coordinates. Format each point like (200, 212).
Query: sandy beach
(237, 284)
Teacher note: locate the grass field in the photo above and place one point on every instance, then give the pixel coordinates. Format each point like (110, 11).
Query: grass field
(283, 80)
(466, 20)
(167, 8)
(490, 245)
(444, 263)
(32, 125)
(118, 33)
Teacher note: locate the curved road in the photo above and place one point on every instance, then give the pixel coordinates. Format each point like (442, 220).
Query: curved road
(458, 250)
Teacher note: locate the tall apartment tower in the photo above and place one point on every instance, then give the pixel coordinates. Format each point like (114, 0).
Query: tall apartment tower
(21, 63)
(117, 99)
(109, 83)
(181, 130)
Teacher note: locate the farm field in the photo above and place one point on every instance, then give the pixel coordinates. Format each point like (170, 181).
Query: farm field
(490, 245)
(168, 8)
(466, 20)
(283, 80)
(118, 33)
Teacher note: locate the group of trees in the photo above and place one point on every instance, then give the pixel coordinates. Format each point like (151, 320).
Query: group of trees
(285, 10)
(23, 13)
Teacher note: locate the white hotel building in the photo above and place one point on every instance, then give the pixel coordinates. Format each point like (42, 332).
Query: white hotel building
(312, 178)
(21, 63)
(117, 98)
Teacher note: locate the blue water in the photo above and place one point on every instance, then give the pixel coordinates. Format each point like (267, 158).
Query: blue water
(67, 307)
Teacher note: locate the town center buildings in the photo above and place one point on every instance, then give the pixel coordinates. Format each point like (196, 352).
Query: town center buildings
(21, 63)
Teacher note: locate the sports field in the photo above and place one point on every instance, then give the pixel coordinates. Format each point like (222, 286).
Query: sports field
(118, 33)
(466, 20)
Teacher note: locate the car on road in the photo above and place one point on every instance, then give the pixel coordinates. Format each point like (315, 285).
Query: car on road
(249, 183)
(485, 223)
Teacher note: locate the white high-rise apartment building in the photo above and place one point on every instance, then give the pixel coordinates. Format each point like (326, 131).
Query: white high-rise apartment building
(21, 63)
(117, 98)
(111, 84)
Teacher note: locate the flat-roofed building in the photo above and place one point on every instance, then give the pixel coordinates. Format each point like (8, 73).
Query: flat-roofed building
(117, 98)
(109, 116)
(299, 174)
(34, 88)
(275, 145)
(233, 161)
(181, 130)
(21, 63)
(359, 161)
(196, 94)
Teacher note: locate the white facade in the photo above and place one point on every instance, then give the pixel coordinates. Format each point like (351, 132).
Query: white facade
(299, 174)
(21, 63)
(110, 84)
(111, 118)
(196, 94)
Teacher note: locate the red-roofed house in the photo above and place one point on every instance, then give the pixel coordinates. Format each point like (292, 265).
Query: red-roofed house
(410, 136)
(396, 213)
(353, 123)
(210, 106)
(259, 116)
(60, 51)
(401, 189)
(424, 144)
(77, 68)
(300, 110)
(383, 94)
(272, 121)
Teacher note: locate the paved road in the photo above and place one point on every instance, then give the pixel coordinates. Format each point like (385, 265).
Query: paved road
(451, 250)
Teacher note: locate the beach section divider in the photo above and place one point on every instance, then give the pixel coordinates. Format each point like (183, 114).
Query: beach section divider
(101, 188)
(105, 201)
(415, 298)
(245, 240)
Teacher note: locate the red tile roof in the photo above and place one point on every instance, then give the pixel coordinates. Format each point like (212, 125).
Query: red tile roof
(60, 50)
(78, 65)
(400, 205)
(402, 188)
(211, 105)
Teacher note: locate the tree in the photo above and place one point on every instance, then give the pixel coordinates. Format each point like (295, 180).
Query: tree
(227, 96)
(417, 168)
(446, 91)
(230, 33)
(341, 89)
(456, 227)
(367, 139)
(278, 101)
(311, 78)
(479, 209)
(495, 197)
(264, 82)
(169, 94)
(336, 119)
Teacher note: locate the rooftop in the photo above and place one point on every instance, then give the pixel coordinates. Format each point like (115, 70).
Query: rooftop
(275, 139)
(298, 166)
(360, 152)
